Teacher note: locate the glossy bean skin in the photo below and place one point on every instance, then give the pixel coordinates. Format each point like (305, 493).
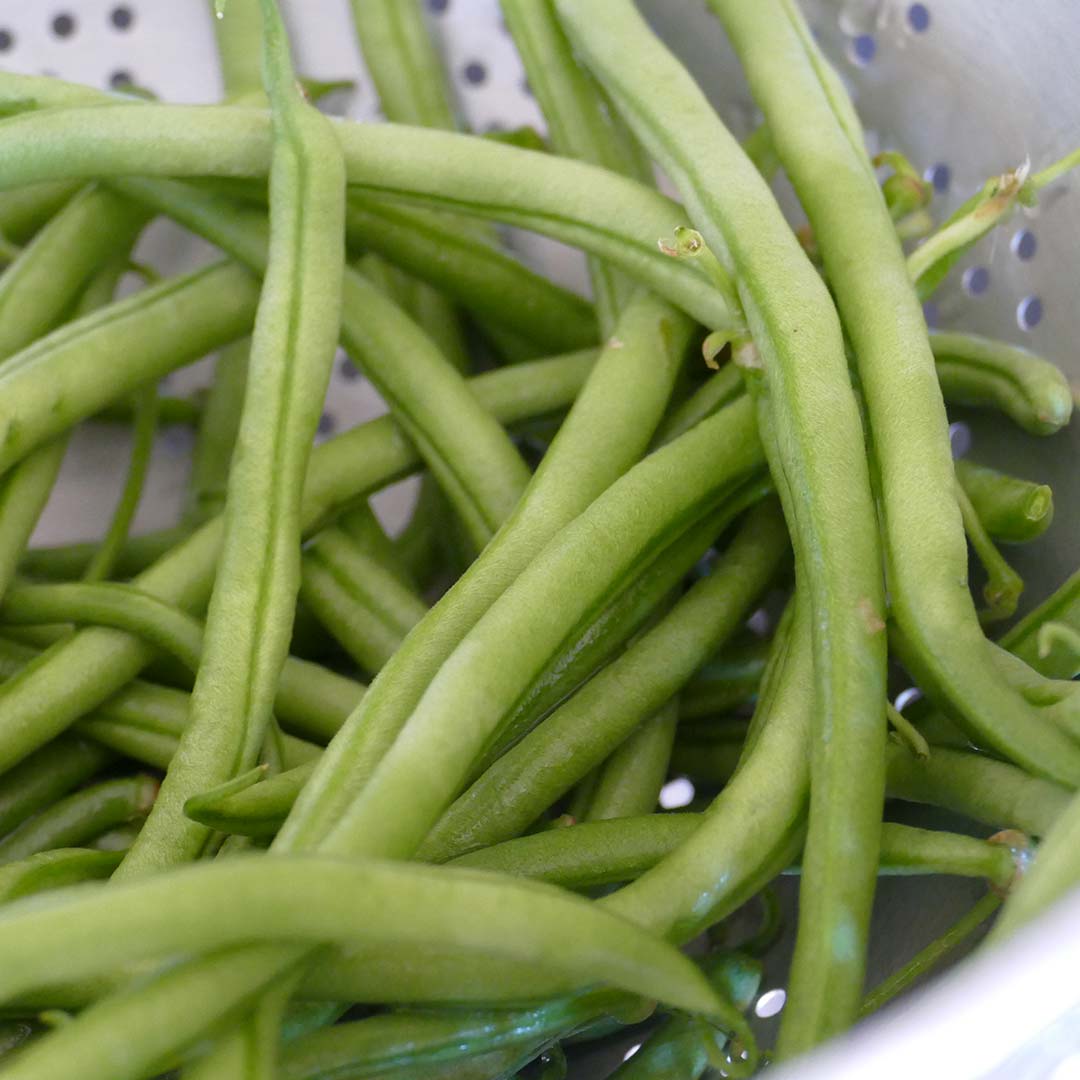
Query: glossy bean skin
(46, 776)
(1012, 510)
(97, 662)
(80, 817)
(380, 1044)
(816, 471)
(55, 869)
(517, 788)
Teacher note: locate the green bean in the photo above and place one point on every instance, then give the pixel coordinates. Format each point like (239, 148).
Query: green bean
(54, 870)
(89, 931)
(46, 776)
(80, 817)
(755, 825)
(612, 216)
(54, 383)
(788, 315)
(378, 1044)
(24, 210)
(292, 350)
(93, 664)
(948, 653)
(1003, 584)
(498, 290)
(731, 680)
(977, 371)
(582, 732)
(91, 235)
(595, 640)
(146, 425)
(118, 606)
(932, 956)
(474, 462)
(579, 126)
(619, 850)
(70, 560)
(588, 854)
(990, 791)
(364, 606)
(237, 39)
(403, 63)
(587, 564)
(1011, 510)
(191, 993)
(608, 428)
(218, 428)
(629, 782)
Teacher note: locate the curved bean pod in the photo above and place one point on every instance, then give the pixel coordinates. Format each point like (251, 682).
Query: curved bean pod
(46, 776)
(80, 817)
(588, 563)
(95, 663)
(978, 371)
(518, 787)
(1011, 510)
(817, 469)
(55, 869)
(608, 428)
(308, 900)
(292, 349)
(927, 553)
(584, 206)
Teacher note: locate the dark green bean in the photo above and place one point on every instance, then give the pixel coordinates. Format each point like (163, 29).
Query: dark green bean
(729, 681)
(46, 776)
(590, 562)
(80, 817)
(218, 428)
(1011, 510)
(378, 1044)
(582, 732)
(367, 609)
(629, 782)
(1003, 584)
(54, 870)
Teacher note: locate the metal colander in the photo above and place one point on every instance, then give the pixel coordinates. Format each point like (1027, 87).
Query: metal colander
(967, 89)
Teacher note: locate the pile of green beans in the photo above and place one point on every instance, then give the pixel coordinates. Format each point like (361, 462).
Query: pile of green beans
(282, 795)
